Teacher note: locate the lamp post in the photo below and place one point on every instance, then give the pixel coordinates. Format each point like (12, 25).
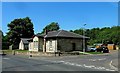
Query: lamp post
(84, 37)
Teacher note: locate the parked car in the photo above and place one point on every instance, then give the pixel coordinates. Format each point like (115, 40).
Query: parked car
(103, 49)
(91, 49)
(100, 49)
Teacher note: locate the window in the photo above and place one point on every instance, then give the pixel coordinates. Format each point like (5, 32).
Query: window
(35, 44)
(50, 43)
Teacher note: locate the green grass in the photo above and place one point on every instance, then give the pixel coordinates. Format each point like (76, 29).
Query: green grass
(7, 51)
(11, 51)
(95, 52)
(22, 50)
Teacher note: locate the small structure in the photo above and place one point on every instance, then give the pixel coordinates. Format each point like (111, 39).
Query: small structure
(61, 40)
(24, 43)
(38, 43)
(111, 46)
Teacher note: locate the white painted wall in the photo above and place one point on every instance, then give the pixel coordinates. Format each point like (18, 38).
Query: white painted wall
(35, 38)
(31, 48)
(35, 48)
(52, 48)
(21, 45)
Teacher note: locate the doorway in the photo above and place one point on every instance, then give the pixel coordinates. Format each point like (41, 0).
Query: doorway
(73, 46)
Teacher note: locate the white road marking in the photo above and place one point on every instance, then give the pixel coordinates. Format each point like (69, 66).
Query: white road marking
(92, 60)
(84, 65)
(97, 59)
(6, 58)
(102, 59)
(113, 67)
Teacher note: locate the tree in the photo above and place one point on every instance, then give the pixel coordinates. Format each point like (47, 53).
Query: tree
(105, 35)
(54, 26)
(19, 28)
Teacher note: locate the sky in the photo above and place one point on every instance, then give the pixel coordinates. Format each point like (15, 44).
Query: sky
(69, 15)
(0, 15)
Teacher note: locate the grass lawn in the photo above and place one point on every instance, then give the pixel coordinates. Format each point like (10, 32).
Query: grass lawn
(11, 51)
(95, 52)
(87, 53)
(7, 51)
(22, 50)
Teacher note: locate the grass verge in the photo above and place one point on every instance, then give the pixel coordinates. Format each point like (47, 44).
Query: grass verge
(95, 52)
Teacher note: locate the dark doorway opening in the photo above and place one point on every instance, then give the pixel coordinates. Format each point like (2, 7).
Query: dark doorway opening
(73, 46)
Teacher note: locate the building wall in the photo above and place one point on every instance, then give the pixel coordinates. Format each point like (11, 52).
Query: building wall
(35, 43)
(66, 44)
(41, 44)
(111, 47)
(31, 48)
(51, 45)
(38, 43)
(21, 45)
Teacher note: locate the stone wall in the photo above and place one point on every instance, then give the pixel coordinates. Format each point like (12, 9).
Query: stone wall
(66, 44)
(41, 44)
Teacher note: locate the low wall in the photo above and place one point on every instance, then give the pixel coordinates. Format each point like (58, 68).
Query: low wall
(41, 53)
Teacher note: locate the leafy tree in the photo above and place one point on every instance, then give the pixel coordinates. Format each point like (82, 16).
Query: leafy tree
(19, 28)
(106, 35)
(54, 26)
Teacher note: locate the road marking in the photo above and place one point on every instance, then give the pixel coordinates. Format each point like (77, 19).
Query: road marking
(102, 59)
(84, 65)
(6, 58)
(113, 67)
(97, 59)
(92, 60)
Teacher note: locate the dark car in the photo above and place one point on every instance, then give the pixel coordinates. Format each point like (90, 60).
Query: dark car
(100, 49)
(103, 49)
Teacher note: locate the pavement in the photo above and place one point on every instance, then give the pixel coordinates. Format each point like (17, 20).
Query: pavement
(114, 64)
(104, 62)
(115, 61)
(19, 63)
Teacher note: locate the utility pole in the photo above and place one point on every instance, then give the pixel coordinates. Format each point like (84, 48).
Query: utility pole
(46, 31)
(84, 38)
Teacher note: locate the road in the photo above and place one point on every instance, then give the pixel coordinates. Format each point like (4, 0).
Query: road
(62, 63)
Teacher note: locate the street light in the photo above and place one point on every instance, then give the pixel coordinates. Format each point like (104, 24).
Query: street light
(84, 37)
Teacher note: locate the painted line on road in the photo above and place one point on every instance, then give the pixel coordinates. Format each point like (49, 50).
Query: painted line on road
(6, 58)
(84, 65)
(97, 59)
(113, 67)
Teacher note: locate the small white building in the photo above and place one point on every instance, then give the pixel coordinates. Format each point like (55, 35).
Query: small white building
(24, 43)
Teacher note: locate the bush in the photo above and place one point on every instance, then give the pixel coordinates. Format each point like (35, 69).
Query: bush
(5, 45)
(15, 47)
